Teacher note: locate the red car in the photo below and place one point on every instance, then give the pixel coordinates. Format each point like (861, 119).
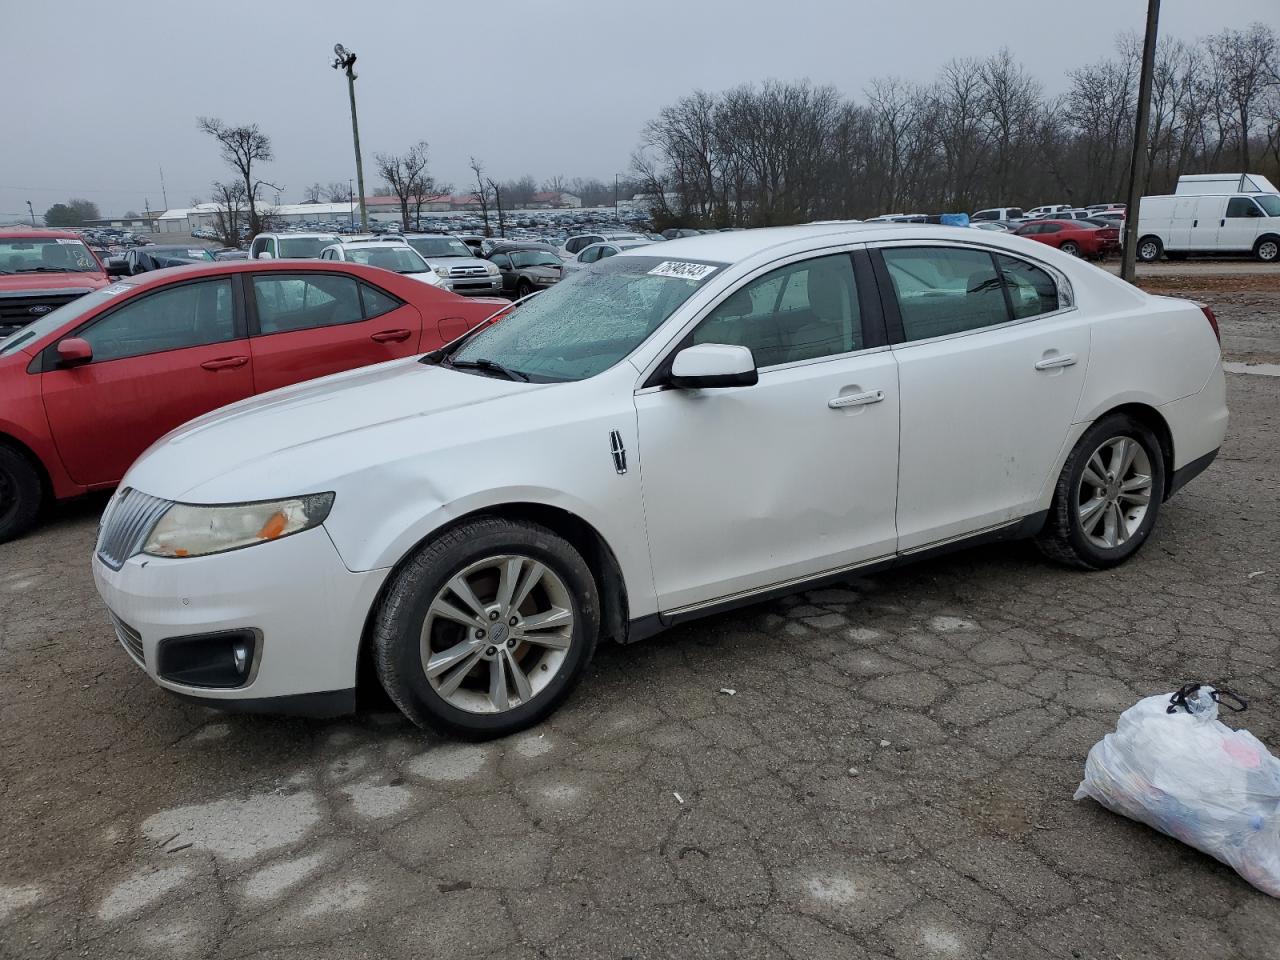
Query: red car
(89, 386)
(40, 270)
(1078, 238)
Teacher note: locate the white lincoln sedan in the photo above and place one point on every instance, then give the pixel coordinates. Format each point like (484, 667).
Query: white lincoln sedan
(675, 431)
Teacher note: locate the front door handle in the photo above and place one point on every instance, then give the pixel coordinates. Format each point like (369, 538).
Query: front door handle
(856, 400)
(1052, 363)
(391, 336)
(225, 363)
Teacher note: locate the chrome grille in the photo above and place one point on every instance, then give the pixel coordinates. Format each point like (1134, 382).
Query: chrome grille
(126, 524)
(469, 272)
(130, 639)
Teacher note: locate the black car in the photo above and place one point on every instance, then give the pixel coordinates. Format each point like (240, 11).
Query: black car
(527, 267)
(157, 257)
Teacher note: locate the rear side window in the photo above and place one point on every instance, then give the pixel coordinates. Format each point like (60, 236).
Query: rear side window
(287, 303)
(376, 303)
(944, 290)
(803, 311)
(1031, 290)
(190, 315)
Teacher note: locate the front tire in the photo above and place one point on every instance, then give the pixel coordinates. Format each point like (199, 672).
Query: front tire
(1149, 249)
(1108, 495)
(487, 629)
(21, 494)
(1071, 248)
(523, 289)
(1267, 249)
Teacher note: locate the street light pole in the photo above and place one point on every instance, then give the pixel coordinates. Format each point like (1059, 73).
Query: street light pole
(615, 198)
(1138, 164)
(345, 60)
(31, 211)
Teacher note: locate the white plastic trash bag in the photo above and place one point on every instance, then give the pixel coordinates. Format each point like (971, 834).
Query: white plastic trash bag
(1172, 765)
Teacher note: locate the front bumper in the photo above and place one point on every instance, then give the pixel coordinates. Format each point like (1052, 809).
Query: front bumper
(474, 286)
(308, 607)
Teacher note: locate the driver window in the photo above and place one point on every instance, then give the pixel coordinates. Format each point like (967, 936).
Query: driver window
(802, 311)
(190, 315)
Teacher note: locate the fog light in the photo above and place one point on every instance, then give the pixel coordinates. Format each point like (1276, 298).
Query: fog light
(223, 659)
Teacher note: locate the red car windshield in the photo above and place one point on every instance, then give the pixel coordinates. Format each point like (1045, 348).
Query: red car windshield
(46, 255)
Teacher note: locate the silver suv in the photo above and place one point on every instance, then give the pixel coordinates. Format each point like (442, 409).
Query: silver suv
(455, 263)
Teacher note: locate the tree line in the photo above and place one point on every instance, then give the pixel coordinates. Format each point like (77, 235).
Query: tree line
(984, 133)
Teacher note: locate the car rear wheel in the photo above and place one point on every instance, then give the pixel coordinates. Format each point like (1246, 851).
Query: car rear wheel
(1267, 249)
(487, 629)
(21, 494)
(1108, 495)
(1149, 249)
(1070, 247)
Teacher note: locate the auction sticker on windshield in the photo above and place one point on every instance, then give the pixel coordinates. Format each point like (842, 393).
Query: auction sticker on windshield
(682, 270)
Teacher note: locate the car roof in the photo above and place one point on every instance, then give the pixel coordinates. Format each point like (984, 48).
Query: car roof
(28, 233)
(222, 268)
(371, 244)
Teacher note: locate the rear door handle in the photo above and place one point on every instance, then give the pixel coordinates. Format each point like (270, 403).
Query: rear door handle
(1052, 363)
(225, 363)
(391, 336)
(856, 400)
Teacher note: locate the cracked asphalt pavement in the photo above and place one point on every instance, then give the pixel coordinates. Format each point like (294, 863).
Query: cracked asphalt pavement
(891, 777)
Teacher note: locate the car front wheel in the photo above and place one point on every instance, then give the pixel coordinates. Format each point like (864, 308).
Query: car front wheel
(487, 629)
(21, 494)
(523, 289)
(1070, 247)
(1267, 250)
(1108, 495)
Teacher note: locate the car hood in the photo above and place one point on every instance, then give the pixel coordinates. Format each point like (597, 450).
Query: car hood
(289, 432)
(25, 283)
(452, 262)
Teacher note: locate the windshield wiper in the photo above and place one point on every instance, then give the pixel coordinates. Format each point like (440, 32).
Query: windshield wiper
(484, 363)
(50, 270)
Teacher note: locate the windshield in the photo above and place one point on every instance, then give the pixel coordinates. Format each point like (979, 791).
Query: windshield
(41, 255)
(64, 314)
(587, 323)
(440, 247)
(534, 258)
(304, 248)
(181, 253)
(399, 259)
(1270, 203)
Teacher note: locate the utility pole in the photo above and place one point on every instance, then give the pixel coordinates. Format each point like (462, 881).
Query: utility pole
(351, 203)
(31, 211)
(615, 198)
(1138, 164)
(345, 60)
(164, 196)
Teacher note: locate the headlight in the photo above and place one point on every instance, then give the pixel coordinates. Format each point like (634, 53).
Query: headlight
(194, 530)
(491, 269)
(441, 271)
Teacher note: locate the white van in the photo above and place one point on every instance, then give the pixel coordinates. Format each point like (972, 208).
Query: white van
(1221, 184)
(290, 246)
(1224, 223)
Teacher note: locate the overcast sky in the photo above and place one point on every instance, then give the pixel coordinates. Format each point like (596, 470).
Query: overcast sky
(98, 97)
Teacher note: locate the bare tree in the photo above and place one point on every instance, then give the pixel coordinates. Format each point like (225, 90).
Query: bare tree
(313, 193)
(554, 184)
(1245, 63)
(229, 214)
(244, 148)
(481, 193)
(338, 192)
(407, 177)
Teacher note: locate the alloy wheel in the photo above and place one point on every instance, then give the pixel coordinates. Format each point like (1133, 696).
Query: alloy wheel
(1114, 493)
(1070, 248)
(497, 633)
(1148, 252)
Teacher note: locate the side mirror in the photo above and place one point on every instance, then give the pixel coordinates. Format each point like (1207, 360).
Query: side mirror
(711, 365)
(117, 267)
(265, 255)
(74, 351)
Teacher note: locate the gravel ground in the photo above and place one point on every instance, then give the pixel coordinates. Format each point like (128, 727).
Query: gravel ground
(892, 776)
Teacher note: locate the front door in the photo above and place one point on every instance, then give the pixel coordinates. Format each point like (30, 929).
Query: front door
(751, 487)
(991, 368)
(312, 324)
(159, 360)
(1238, 230)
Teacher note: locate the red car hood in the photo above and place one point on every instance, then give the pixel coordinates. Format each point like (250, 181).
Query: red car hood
(25, 282)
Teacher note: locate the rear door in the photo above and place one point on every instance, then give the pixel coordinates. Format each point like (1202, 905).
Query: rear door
(159, 359)
(991, 363)
(307, 325)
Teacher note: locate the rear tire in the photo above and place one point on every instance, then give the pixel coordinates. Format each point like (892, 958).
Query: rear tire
(472, 601)
(1149, 249)
(1267, 249)
(21, 494)
(1108, 495)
